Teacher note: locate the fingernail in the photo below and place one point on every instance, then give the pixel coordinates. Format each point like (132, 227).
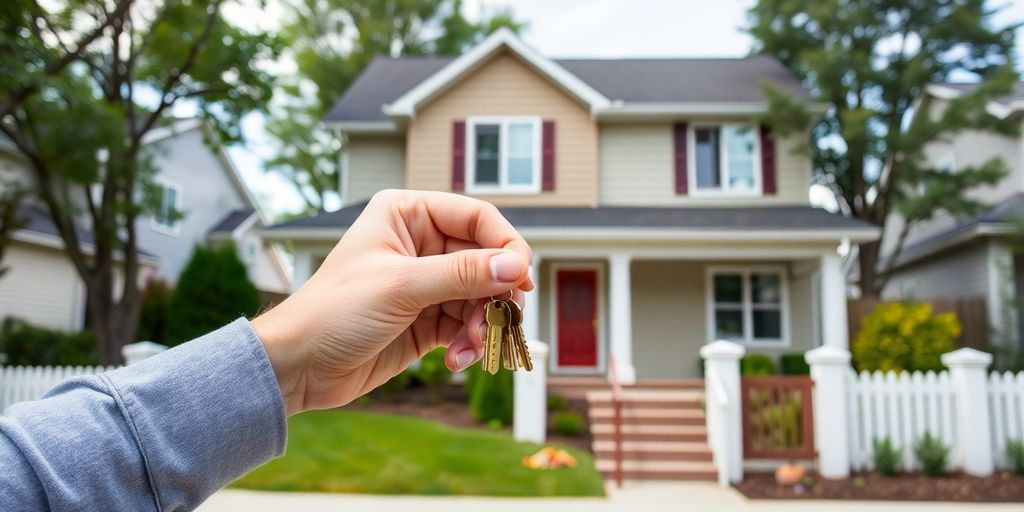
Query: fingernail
(506, 267)
(465, 358)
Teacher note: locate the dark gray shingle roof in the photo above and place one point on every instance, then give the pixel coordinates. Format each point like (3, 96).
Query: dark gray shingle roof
(1007, 211)
(232, 220)
(629, 80)
(37, 220)
(796, 218)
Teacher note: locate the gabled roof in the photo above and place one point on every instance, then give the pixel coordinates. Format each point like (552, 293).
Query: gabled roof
(391, 88)
(231, 221)
(1003, 106)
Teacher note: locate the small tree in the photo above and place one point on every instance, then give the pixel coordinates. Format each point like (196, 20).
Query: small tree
(153, 318)
(213, 290)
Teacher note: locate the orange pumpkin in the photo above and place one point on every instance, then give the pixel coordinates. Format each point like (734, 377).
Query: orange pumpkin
(789, 474)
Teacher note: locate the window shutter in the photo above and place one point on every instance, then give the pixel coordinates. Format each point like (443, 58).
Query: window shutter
(767, 161)
(679, 149)
(459, 156)
(547, 166)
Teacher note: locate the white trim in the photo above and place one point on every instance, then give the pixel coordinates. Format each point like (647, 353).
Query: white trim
(725, 188)
(602, 345)
(156, 225)
(503, 186)
(177, 127)
(619, 109)
(747, 305)
(363, 126)
(406, 105)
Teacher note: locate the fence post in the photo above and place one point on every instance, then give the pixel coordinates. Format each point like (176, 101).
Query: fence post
(529, 419)
(722, 404)
(967, 370)
(142, 350)
(830, 366)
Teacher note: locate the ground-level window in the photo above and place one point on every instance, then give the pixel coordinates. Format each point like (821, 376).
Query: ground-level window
(748, 305)
(167, 217)
(503, 154)
(725, 159)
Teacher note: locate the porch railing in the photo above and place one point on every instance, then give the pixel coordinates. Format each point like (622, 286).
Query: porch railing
(613, 377)
(777, 417)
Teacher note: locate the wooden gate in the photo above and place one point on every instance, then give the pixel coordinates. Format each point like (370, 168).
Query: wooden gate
(777, 417)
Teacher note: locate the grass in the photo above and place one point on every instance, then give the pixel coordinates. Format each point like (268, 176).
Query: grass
(358, 452)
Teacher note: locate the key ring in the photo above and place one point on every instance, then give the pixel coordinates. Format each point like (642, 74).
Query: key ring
(510, 295)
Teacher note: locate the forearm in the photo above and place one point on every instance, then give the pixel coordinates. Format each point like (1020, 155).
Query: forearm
(160, 435)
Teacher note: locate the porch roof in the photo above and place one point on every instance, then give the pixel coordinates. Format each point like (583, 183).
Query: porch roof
(769, 219)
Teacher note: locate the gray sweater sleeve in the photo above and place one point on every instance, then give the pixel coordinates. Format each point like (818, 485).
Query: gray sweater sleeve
(163, 434)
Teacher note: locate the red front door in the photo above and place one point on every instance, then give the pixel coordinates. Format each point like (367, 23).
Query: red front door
(577, 318)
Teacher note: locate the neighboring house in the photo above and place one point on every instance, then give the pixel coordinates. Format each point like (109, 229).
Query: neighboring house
(662, 216)
(199, 182)
(950, 258)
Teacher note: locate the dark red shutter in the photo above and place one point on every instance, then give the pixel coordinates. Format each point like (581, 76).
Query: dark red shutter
(547, 160)
(767, 161)
(679, 145)
(459, 156)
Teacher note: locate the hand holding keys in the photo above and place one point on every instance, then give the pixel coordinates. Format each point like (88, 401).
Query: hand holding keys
(505, 339)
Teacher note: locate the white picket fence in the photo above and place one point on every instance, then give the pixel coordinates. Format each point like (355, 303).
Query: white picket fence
(903, 406)
(23, 383)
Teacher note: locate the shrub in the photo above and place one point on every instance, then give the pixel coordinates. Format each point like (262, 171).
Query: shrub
(434, 374)
(755, 365)
(557, 402)
(794, 364)
(932, 454)
(885, 457)
(29, 345)
(153, 316)
(213, 290)
(1015, 455)
(567, 423)
(904, 336)
(386, 392)
(492, 397)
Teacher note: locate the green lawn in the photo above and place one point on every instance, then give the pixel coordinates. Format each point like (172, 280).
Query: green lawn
(358, 452)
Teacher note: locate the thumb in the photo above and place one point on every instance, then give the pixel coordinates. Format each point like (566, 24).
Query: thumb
(467, 274)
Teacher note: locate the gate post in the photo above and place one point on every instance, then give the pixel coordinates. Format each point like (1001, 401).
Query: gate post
(530, 399)
(968, 369)
(722, 404)
(830, 366)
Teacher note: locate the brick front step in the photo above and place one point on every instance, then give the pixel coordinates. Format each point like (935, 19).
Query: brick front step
(660, 470)
(648, 416)
(681, 433)
(654, 450)
(649, 398)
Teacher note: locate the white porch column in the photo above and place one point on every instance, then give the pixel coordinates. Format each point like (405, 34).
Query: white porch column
(531, 310)
(968, 369)
(620, 316)
(530, 416)
(830, 367)
(833, 302)
(724, 414)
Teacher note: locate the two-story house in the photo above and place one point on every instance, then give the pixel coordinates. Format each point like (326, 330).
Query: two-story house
(661, 214)
(947, 257)
(202, 200)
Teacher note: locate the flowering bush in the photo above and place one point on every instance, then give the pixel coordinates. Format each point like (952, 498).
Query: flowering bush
(904, 336)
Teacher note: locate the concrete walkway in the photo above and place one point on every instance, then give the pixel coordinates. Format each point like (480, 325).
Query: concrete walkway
(649, 497)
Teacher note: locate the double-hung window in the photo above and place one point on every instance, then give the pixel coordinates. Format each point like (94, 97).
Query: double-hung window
(748, 305)
(503, 155)
(726, 159)
(167, 217)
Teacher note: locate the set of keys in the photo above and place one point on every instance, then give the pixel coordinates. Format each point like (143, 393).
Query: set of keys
(505, 343)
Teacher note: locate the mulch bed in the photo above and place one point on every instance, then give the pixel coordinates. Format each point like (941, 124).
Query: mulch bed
(1003, 487)
(453, 410)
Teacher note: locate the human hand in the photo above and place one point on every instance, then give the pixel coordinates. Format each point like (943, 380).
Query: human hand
(411, 274)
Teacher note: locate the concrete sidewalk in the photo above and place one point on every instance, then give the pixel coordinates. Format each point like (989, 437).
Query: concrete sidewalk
(649, 497)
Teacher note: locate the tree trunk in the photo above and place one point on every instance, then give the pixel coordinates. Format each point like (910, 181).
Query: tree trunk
(867, 258)
(113, 322)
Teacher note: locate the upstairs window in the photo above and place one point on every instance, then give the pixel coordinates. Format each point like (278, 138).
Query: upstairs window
(503, 155)
(167, 217)
(726, 160)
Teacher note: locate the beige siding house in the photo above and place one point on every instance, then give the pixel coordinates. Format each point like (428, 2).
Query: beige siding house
(971, 257)
(661, 214)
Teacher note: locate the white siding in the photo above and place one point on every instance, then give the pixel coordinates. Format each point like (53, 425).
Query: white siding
(957, 273)
(41, 287)
(636, 168)
(374, 164)
(263, 270)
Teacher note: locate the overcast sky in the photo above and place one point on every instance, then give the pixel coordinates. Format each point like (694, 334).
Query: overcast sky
(578, 28)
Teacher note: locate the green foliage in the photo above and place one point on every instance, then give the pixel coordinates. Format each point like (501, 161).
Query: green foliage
(567, 423)
(473, 374)
(308, 153)
(794, 364)
(12, 195)
(492, 397)
(434, 374)
(931, 454)
(393, 386)
(782, 420)
(557, 402)
(1006, 358)
(884, 456)
(29, 345)
(213, 290)
(866, 61)
(1015, 455)
(904, 336)
(156, 299)
(754, 365)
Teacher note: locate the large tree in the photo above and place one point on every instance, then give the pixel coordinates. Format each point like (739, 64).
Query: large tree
(84, 129)
(870, 61)
(331, 41)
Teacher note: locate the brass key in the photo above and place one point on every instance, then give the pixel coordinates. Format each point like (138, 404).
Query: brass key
(496, 315)
(519, 348)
